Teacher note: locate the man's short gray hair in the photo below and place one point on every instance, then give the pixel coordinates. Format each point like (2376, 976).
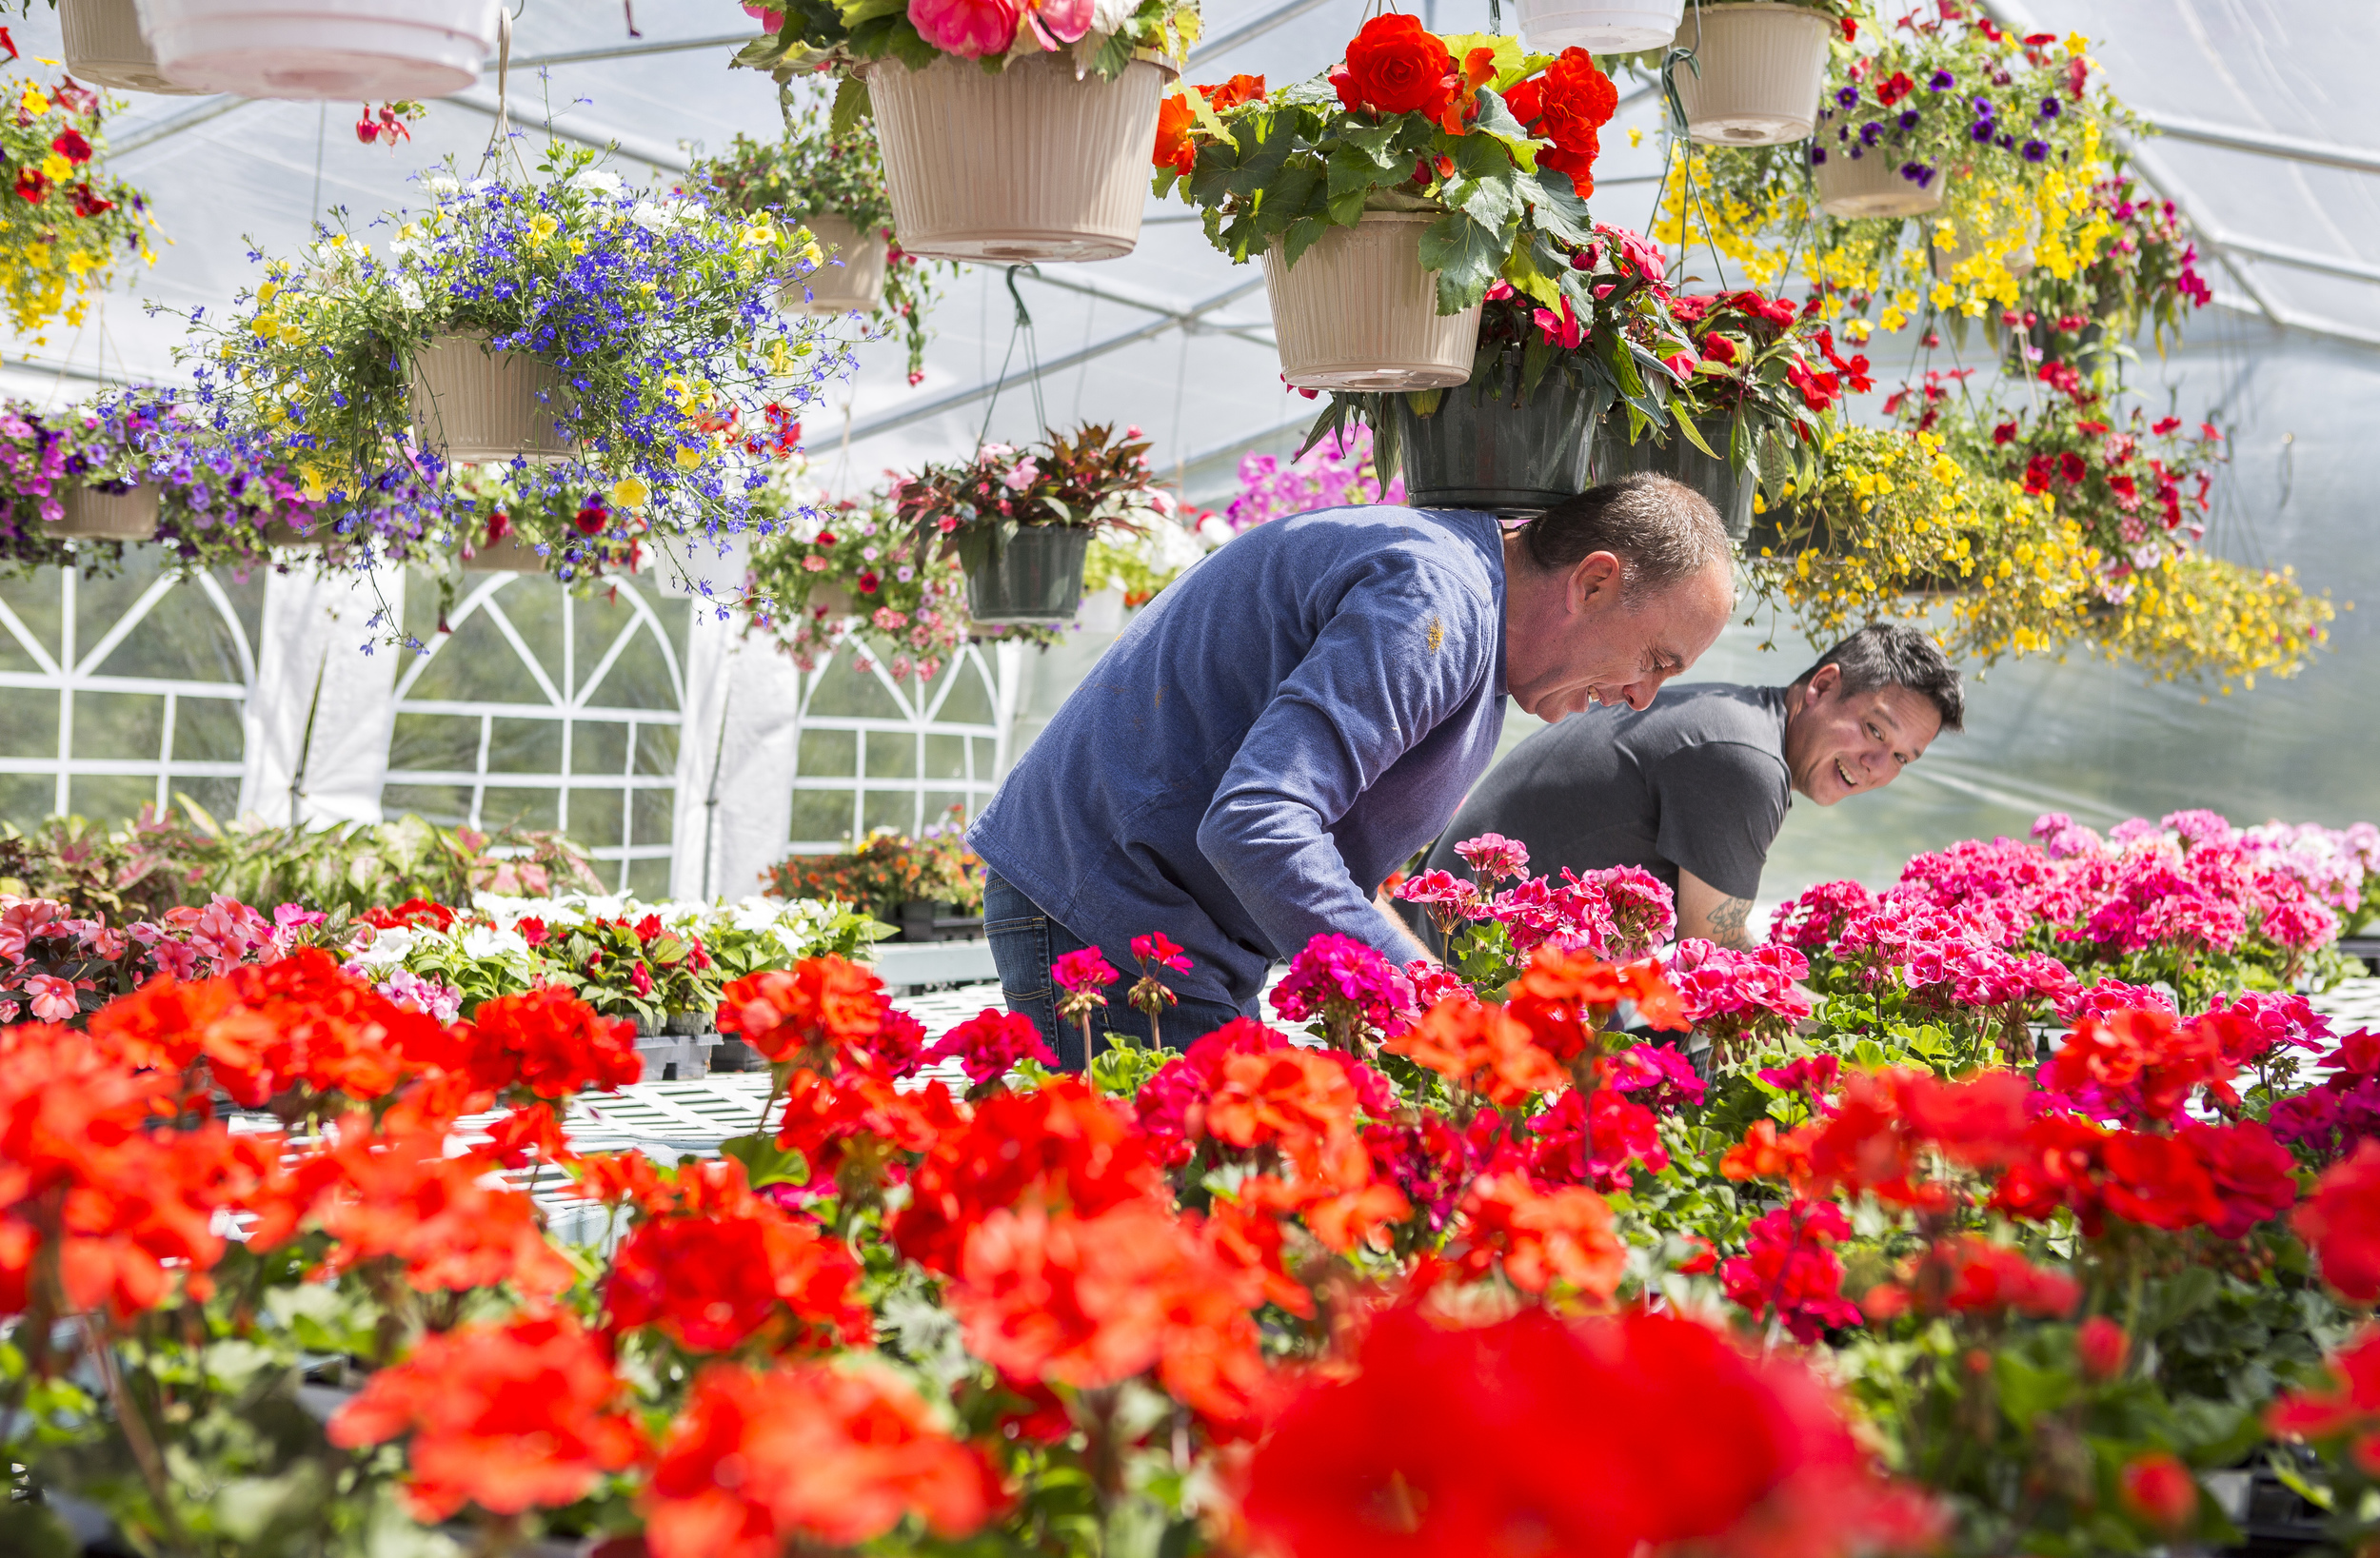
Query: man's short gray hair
(1896, 655)
(1662, 530)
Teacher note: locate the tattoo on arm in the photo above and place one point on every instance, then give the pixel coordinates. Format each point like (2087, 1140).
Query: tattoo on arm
(1727, 923)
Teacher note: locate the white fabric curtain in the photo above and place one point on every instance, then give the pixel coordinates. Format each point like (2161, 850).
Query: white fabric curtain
(736, 742)
(324, 706)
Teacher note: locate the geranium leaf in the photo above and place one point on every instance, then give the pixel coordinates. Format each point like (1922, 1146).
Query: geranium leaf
(1555, 207)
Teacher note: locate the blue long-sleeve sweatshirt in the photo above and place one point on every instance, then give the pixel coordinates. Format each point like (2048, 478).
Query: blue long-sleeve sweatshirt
(1284, 724)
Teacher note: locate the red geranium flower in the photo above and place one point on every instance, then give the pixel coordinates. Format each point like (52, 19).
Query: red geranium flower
(755, 1461)
(526, 1414)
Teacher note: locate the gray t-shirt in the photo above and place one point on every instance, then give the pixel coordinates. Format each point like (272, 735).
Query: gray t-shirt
(1697, 780)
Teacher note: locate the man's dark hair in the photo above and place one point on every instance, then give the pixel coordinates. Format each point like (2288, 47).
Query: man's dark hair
(1892, 655)
(1661, 531)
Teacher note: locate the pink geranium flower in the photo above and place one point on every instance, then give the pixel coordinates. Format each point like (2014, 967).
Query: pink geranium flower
(1495, 857)
(970, 29)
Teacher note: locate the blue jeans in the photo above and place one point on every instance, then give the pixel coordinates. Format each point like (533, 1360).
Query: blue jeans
(1025, 941)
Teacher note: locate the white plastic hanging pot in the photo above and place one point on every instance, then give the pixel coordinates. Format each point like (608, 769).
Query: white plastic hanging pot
(478, 405)
(1870, 184)
(103, 45)
(851, 277)
(1599, 27)
(93, 515)
(1359, 311)
(363, 50)
(1029, 163)
(1761, 68)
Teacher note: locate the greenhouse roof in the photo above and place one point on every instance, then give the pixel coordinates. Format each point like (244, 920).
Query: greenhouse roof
(2252, 95)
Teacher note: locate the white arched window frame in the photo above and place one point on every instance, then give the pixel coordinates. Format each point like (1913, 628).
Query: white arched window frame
(574, 702)
(68, 666)
(946, 739)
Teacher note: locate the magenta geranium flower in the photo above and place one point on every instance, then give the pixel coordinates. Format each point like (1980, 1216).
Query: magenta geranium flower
(1083, 968)
(1495, 857)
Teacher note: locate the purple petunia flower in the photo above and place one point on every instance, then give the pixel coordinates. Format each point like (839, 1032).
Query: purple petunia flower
(1909, 119)
(1941, 81)
(1980, 131)
(2049, 109)
(1848, 97)
(2036, 151)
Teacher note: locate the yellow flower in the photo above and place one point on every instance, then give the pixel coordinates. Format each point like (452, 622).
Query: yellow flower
(34, 100)
(688, 458)
(544, 225)
(57, 169)
(630, 492)
(2076, 44)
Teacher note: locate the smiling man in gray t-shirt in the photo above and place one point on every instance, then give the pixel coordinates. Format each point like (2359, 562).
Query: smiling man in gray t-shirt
(1693, 787)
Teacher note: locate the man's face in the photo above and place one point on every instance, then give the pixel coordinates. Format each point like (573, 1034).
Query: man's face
(1840, 744)
(1575, 641)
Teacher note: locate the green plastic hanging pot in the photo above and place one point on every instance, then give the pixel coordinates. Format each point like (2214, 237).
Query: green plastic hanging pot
(1036, 578)
(1475, 449)
(1727, 486)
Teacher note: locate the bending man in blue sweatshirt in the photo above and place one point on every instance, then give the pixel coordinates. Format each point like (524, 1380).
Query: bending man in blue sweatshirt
(1304, 709)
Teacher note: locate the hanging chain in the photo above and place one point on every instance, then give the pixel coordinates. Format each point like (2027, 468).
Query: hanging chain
(1021, 331)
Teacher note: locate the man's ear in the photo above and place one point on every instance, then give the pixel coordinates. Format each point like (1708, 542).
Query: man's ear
(1823, 682)
(1595, 580)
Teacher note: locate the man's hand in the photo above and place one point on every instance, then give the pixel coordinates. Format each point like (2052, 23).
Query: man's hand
(1706, 911)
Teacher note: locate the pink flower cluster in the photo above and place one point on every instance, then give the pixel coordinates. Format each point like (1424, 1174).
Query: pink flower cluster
(1719, 984)
(55, 968)
(1953, 928)
(1342, 982)
(1336, 473)
(1621, 913)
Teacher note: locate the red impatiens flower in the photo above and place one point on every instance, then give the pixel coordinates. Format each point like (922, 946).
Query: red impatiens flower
(524, 1415)
(758, 1462)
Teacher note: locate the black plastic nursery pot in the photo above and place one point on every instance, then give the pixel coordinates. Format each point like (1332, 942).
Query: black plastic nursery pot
(1729, 486)
(1036, 578)
(923, 919)
(1481, 446)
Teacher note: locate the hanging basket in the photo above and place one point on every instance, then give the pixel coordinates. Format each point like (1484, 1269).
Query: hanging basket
(1477, 449)
(1761, 68)
(93, 515)
(1947, 260)
(1599, 27)
(856, 283)
(1870, 184)
(477, 406)
(1036, 578)
(103, 45)
(1727, 486)
(283, 535)
(1028, 163)
(1359, 312)
(513, 554)
(360, 50)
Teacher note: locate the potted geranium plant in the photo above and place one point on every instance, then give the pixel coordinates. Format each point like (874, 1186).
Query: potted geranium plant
(1009, 131)
(1386, 199)
(1020, 521)
(832, 182)
(600, 338)
(360, 49)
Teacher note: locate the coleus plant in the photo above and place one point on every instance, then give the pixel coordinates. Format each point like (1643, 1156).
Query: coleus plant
(1089, 480)
(1499, 142)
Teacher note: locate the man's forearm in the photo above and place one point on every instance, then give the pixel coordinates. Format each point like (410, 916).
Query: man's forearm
(1415, 947)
